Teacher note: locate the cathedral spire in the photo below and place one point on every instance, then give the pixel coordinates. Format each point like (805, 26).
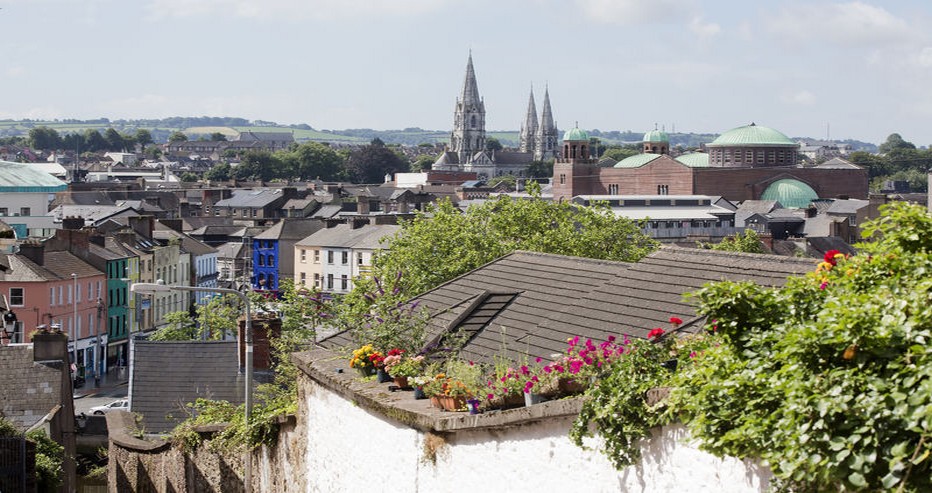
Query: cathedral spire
(546, 132)
(470, 96)
(528, 135)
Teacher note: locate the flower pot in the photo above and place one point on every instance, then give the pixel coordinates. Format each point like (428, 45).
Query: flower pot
(419, 393)
(450, 403)
(531, 398)
(473, 406)
(513, 400)
(401, 382)
(382, 376)
(366, 372)
(435, 401)
(570, 385)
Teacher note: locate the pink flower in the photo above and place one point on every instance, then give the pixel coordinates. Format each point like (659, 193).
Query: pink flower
(490, 396)
(822, 286)
(558, 368)
(539, 359)
(611, 338)
(525, 371)
(548, 369)
(692, 354)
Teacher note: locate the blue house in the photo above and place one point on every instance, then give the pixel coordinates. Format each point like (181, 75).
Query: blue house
(273, 252)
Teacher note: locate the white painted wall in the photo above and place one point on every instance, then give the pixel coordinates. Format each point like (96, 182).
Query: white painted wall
(350, 448)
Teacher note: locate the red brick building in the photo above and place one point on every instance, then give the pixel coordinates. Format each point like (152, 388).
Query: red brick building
(745, 163)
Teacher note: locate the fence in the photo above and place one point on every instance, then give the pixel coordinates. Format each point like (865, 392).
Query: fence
(17, 465)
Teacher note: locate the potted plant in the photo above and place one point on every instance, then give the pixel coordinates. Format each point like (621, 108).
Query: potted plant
(366, 360)
(418, 383)
(402, 369)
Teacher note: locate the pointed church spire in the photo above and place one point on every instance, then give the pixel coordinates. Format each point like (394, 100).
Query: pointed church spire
(528, 137)
(470, 94)
(546, 132)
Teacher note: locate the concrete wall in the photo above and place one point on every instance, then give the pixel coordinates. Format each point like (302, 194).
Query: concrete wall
(536, 456)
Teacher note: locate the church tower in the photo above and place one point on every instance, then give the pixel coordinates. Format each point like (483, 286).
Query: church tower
(546, 138)
(529, 128)
(468, 136)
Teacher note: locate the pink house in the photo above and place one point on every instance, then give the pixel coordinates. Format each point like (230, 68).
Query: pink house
(56, 288)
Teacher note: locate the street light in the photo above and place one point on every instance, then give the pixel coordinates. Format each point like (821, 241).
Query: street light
(160, 287)
(74, 318)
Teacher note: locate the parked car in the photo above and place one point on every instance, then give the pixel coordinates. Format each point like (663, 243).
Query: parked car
(117, 405)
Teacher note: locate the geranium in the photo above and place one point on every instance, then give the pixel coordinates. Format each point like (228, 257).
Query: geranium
(655, 333)
(832, 256)
(407, 367)
(366, 357)
(676, 321)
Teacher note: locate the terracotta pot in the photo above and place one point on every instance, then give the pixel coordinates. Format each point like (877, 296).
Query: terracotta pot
(401, 382)
(451, 403)
(435, 401)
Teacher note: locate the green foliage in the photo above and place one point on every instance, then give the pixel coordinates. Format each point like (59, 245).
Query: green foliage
(620, 152)
(423, 163)
(312, 160)
(749, 242)
(178, 327)
(829, 380)
(508, 181)
(178, 136)
(493, 144)
(49, 457)
(442, 243)
(219, 172)
(189, 177)
(540, 169)
(371, 163)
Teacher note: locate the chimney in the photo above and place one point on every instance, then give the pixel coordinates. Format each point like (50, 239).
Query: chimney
(97, 239)
(403, 207)
(49, 346)
(811, 211)
(767, 240)
(263, 328)
(72, 223)
(33, 250)
(362, 205)
(142, 225)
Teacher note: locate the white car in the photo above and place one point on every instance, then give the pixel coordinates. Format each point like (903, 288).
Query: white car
(118, 405)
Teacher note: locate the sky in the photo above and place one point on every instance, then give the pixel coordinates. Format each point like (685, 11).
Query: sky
(810, 68)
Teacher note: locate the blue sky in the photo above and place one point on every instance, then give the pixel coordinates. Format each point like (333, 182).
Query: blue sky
(861, 69)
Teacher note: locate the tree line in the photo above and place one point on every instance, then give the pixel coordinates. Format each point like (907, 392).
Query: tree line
(898, 160)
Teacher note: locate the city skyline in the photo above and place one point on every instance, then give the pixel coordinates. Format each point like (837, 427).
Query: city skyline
(819, 69)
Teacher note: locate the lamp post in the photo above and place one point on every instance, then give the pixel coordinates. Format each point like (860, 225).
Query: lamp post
(160, 287)
(74, 318)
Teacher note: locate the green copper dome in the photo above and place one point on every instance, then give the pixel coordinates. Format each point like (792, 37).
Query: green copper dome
(636, 161)
(792, 194)
(694, 159)
(576, 135)
(656, 136)
(752, 135)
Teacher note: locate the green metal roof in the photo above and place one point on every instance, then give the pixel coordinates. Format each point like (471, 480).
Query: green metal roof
(576, 135)
(636, 161)
(656, 136)
(694, 159)
(792, 194)
(752, 135)
(22, 177)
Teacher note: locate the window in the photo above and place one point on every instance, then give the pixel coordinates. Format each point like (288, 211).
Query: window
(61, 295)
(98, 289)
(330, 256)
(4, 211)
(17, 297)
(304, 278)
(77, 293)
(358, 258)
(316, 256)
(344, 281)
(345, 258)
(25, 211)
(663, 190)
(329, 281)
(613, 189)
(316, 280)
(562, 179)
(51, 296)
(303, 256)
(261, 260)
(69, 295)
(270, 260)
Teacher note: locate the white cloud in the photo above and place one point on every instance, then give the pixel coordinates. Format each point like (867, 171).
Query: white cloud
(704, 29)
(289, 9)
(925, 57)
(801, 98)
(15, 71)
(852, 23)
(628, 12)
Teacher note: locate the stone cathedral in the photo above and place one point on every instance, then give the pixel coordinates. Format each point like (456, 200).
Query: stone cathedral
(467, 152)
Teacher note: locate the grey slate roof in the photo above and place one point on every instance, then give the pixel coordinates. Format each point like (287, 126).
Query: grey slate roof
(343, 236)
(167, 375)
(251, 198)
(327, 211)
(188, 244)
(58, 266)
(849, 206)
(528, 304)
(291, 229)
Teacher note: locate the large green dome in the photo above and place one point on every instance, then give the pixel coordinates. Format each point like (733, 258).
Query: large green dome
(752, 136)
(576, 135)
(792, 194)
(656, 136)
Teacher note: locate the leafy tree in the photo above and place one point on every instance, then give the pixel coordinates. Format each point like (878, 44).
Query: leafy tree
(442, 243)
(178, 136)
(143, 137)
(423, 163)
(620, 152)
(313, 160)
(493, 144)
(894, 141)
(189, 177)
(93, 141)
(219, 172)
(218, 137)
(260, 165)
(178, 327)
(508, 180)
(49, 455)
(876, 165)
(540, 169)
(371, 163)
(114, 140)
(747, 243)
(44, 138)
(153, 152)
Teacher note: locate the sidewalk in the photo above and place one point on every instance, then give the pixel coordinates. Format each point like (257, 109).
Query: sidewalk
(110, 381)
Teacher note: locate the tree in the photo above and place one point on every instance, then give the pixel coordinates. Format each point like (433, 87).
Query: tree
(747, 243)
(189, 177)
(442, 243)
(114, 140)
(178, 136)
(313, 160)
(44, 138)
(260, 165)
(93, 141)
(894, 141)
(540, 169)
(493, 144)
(143, 137)
(219, 172)
(218, 137)
(423, 163)
(508, 180)
(371, 163)
(178, 327)
(620, 152)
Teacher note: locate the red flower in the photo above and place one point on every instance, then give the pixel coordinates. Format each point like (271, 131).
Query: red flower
(830, 256)
(676, 321)
(395, 352)
(655, 333)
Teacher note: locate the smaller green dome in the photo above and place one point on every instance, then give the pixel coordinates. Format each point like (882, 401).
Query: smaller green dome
(576, 135)
(792, 194)
(752, 136)
(656, 136)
